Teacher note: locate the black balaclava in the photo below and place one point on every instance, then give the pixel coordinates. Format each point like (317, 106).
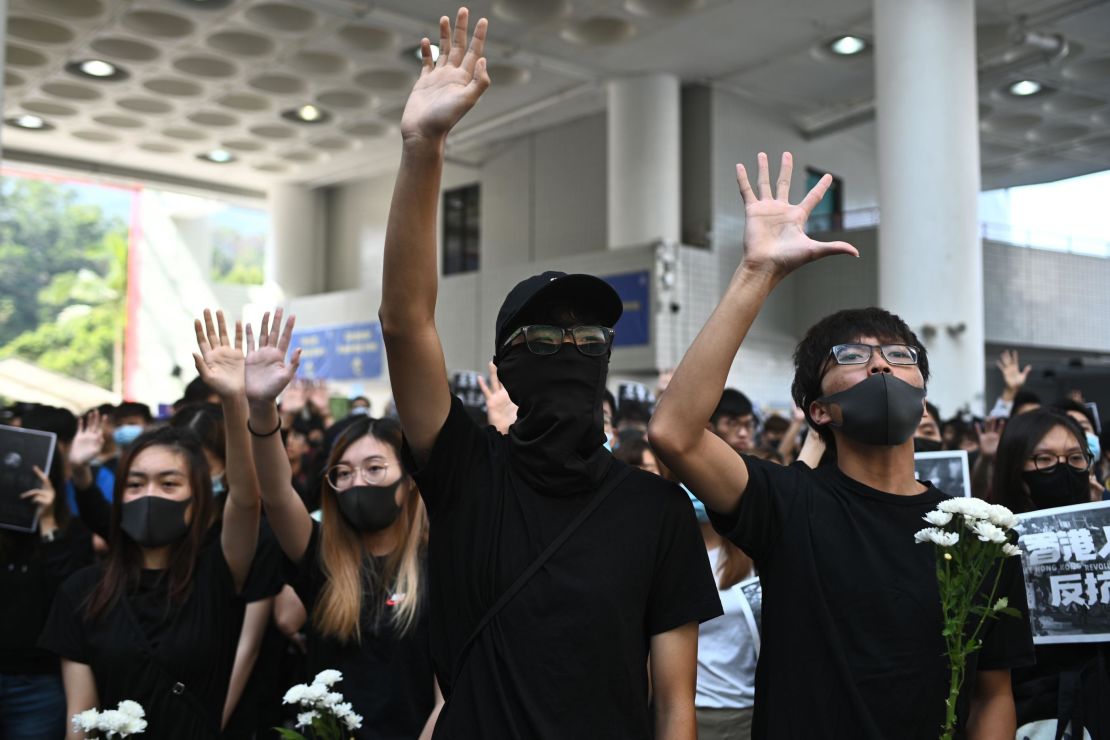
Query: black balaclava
(924, 444)
(154, 521)
(1064, 486)
(881, 410)
(557, 438)
(370, 508)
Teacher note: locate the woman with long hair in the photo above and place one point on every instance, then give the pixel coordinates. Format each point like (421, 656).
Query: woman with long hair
(1043, 462)
(360, 570)
(159, 621)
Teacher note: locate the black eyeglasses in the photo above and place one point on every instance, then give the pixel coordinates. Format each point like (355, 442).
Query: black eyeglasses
(1046, 462)
(544, 339)
(860, 354)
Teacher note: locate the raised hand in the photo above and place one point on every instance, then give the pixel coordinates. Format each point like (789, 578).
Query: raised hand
(89, 439)
(267, 372)
(43, 499)
(320, 397)
(990, 432)
(775, 242)
(500, 409)
(219, 362)
(449, 87)
(1013, 374)
(295, 397)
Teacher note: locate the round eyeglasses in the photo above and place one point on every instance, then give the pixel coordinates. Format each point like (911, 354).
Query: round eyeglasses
(342, 476)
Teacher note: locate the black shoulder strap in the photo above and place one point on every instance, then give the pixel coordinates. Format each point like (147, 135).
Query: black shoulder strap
(530, 571)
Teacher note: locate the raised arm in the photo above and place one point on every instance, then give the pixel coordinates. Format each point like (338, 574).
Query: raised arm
(267, 375)
(221, 365)
(775, 244)
(444, 93)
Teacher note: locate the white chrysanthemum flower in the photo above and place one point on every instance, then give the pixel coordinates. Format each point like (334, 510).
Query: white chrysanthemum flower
(353, 721)
(328, 677)
(314, 694)
(112, 720)
(1000, 516)
(131, 708)
(987, 532)
(938, 518)
(304, 719)
(1010, 550)
(85, 721)
(937, 537)
(295, 694)
(330, 700)
(971, 508)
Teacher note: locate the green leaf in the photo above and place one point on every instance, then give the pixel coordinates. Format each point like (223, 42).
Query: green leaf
(285, 734)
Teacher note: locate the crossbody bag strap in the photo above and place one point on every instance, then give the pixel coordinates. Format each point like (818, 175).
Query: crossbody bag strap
(538, 563)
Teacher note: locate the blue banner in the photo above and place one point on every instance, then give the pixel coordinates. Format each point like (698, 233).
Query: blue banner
(344, 352)
(634, 327)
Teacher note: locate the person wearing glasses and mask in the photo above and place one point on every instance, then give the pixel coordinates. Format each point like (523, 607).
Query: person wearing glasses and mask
(554, 569)
(1044, 462)
(359, 571)
(851, 617)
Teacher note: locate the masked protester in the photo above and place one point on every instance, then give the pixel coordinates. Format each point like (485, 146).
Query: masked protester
(1044, 462)
(850, 611)
(158, 622)
(359, 571)
(553, 569)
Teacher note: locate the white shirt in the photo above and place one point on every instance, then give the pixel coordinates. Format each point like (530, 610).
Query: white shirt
(726, 653)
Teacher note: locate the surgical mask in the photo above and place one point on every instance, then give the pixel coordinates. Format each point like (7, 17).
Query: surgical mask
(218, 485)
(369, 508)
(881, 410)
(1095, 445)
(359, 411)
(126, 434)
(154, 521)
(699, 507)
(1064, 486)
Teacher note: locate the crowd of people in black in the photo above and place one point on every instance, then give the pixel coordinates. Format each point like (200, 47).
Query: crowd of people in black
(554, 560)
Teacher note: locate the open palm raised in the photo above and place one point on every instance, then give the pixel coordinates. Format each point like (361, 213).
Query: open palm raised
(219, 362)
(267, 371)
(449, 87)
(775, 241)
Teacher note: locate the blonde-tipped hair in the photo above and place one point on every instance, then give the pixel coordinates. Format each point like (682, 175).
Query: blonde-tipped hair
(346, 580)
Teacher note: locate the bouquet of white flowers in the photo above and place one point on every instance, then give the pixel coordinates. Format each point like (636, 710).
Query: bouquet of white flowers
(326, 713)
(971, 536)
(128, 718)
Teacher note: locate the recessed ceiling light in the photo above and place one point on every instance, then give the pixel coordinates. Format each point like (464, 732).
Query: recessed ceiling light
(217, 156)
(1025, 88)
(28, 122)
(96, 69)
(307, 113)
(847, 46)
(414, 51)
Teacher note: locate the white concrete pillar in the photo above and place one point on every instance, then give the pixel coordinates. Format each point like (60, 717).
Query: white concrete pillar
(295, 259)
(644, 160)
(930, 251)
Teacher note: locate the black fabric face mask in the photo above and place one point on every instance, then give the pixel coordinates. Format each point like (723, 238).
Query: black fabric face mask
(154, 521)
(559, 432)
(921, 444)
(1064, 486)
(881, 410)
(370, 508)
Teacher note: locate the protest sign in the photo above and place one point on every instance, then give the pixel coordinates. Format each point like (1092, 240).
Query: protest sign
(21, 450)
(948, 470)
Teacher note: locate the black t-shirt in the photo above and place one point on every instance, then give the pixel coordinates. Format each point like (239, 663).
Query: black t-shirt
(851, 643)
(567, 657)
(174, 661)
(387, 677)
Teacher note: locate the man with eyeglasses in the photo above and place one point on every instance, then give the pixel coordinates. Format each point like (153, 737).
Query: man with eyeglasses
(851, 643)
(734, 420)
(626, 579)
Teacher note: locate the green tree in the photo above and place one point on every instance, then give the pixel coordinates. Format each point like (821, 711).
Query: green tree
(63, 280)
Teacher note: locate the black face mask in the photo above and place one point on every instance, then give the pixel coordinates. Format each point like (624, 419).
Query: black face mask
(881, 410)
(154, 521)
(1064, 486)
(922, 444)
(559, 432)
(370, 508)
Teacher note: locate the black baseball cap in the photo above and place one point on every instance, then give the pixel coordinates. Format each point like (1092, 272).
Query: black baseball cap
(590, 293)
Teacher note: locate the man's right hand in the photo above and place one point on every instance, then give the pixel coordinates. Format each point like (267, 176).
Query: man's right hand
(449, 87)
(1013, 374)
(775, 242)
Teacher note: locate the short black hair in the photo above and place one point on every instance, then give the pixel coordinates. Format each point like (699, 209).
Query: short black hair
(636, 412)
(811, 356)
(1019, 439)
(52, 419)
(732, 403)
(775, 424)
(1021, 398)
(1070, 404)
(933, 412)
(132, 408)
(612, 401)
(197, 391)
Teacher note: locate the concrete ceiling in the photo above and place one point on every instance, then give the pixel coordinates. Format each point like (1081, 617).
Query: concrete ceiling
(217, 74)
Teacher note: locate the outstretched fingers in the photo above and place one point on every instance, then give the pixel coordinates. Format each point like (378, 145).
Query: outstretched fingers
(786, 171)
(221, 325)
(275, 328)
(826, 249)
(210, 330)
(286, 334)
(814, 196)
(458, 41)
(250, 339)
(239, 335)
(477, 46)
(764, 177)
(746, 191)
(264, 330)
(444, 41)
(202, 339)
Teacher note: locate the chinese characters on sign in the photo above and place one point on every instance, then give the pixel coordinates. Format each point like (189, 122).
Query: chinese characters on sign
(1066, 559)
(345, 352)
